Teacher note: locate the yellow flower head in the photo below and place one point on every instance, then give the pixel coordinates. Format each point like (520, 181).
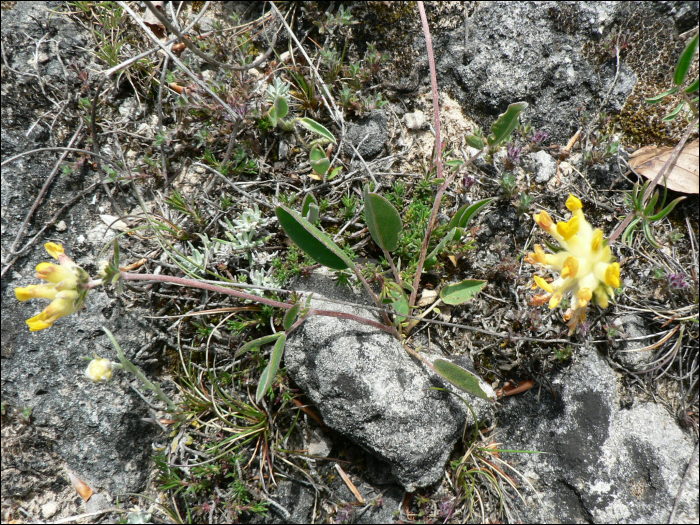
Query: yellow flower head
(99, 370)
(65, 288)
(586, 265)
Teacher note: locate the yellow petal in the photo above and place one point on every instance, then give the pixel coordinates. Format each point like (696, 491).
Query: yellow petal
(45, 291)
(612, 275)
(58, 308)
(573, 203)
(584, 296)
(543, 284)
(544, 220)
(601, 297)
(568, 229)
(54, 273)
(555, 300)
(597, 241)
(54, 249)
(570, 267)
(37, 323)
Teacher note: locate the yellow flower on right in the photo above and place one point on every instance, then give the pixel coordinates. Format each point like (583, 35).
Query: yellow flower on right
(587, 266)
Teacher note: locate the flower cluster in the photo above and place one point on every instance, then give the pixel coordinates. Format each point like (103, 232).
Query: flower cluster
(67, 288)
(585, 262)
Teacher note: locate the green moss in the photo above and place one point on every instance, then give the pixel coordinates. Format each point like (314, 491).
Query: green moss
(650, 49)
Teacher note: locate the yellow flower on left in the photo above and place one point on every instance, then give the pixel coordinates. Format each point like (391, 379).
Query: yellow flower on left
(66, 288)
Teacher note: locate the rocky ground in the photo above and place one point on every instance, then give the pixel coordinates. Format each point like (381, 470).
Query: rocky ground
(599, 425)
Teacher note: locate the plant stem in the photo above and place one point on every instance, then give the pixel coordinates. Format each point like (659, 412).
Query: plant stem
(250, 297)
(438, 153)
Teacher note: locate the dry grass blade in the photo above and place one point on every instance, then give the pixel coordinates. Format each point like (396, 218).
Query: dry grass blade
(647, 161)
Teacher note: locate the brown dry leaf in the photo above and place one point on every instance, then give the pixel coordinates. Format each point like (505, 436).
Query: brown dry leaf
(683, 178)
(152, 22)
(84, 491)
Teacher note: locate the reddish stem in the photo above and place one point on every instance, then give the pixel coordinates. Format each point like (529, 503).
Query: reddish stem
(438, 152)
(250, 297)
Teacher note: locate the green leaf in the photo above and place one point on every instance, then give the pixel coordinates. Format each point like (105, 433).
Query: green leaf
(398, 299)
(257, 343)
(453, 235)
(475, 142)
(455, 164)
(333, 173)
(281, 106)
(692, 88)
(312, 216)
(273, 117)
(461, 292)
(318, 160)
(291, 316)
(317, 128)
(460, 377)
(668, 209)
(505, 124)
(466, 212)
(312, 241)
(309, 199)
(685, 60)
(659, 98)
(673, 113)
(383, 221)
(268, 375)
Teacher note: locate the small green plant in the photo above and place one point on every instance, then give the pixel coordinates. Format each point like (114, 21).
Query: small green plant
(645, 214)
(278, 96)
(524, 203)
(508, 184)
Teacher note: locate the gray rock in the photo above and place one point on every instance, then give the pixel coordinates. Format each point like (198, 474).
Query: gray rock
(531, 52)
(367, 387)
(604, 464)
(374, 128)
(545, 167)
(633, 326)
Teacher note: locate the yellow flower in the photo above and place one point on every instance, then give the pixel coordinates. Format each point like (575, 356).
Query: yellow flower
(66, 288)
(99, 370)
(586, 265)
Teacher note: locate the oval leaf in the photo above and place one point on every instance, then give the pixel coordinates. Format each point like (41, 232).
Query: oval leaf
(317, 128)
(291, 316)
(281, 106)
(312, 241)
(318, 160)
(320, 167)
(309, 199)
(505, 124)
(383, 221)
(461, 292)
(475, 142)
(461, 378)
(685, 60)
(268, 375)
